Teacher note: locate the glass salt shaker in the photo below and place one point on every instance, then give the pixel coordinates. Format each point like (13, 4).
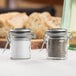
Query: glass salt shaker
(20, 43)
(56, 43)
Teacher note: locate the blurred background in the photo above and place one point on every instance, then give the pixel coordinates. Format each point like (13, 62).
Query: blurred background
(53, 6)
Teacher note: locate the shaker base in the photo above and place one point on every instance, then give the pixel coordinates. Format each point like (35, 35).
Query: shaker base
(56, 58)
(19, 58)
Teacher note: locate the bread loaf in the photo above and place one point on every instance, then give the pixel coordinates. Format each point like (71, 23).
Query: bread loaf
(4, 27)
(50, 21)
(40, 22)
(36, 24)
(18, 20)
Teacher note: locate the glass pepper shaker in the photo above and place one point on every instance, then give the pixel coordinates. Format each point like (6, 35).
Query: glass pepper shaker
(56, 43)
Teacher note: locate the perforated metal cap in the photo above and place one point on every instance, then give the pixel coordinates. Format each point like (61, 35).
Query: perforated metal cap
(56, 32)
(20, 32)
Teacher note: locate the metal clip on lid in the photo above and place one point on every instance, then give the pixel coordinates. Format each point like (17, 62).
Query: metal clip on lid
(7, 43)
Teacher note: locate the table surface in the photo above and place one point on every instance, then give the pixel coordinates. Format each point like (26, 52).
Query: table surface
(38, 65)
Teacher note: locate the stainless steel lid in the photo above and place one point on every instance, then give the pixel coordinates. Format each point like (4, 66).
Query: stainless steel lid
(56, 32)
(20, 32)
